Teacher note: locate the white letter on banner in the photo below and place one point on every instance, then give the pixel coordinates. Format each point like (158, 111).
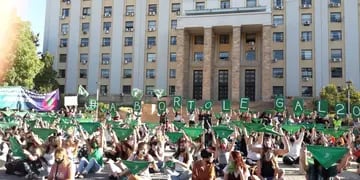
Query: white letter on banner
(208, 105)
(356, 111)
(319, 108)
(298, 105)
(341, 108)
(177, 101)
(224, 106)
(243, 101)
(162, 106)
(279, 102)
(137, 106)
(191, 103)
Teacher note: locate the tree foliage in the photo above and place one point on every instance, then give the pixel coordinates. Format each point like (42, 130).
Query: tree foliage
(339, 95)
(25, 62)
(45, 81)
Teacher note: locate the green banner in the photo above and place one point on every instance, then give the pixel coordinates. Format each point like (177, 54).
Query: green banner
(208, 105)
(279, 104)
(137, 94)
(341, 109)
(327, 156)
(137, 106)
(161, 107)
(190, 105)
(226, 106)
(113, 109)
(322, 108)
(298, 106)
(159, 93)
(177, 103)
(355, 111)
(244, 104)
(92, 104)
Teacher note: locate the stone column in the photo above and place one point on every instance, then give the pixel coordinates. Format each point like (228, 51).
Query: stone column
(235, 64)
(266, 74)
(208, 65)
(180, 63)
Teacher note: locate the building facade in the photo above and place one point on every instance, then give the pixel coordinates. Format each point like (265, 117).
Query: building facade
(204, 49)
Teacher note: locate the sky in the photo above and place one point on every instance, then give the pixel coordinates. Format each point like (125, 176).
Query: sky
(33, 11)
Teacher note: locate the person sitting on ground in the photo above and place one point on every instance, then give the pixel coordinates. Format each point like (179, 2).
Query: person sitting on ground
(63, 168)
(294, 152)
(204, 169)
(236, 168)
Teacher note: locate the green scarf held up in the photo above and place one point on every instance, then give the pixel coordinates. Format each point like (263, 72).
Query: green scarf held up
(193, 133)
(90, 127)
(174, 136)
(43, 133)
(222, 131)
(136, 167)
(16, 148)
(327, 156)
(123, 133)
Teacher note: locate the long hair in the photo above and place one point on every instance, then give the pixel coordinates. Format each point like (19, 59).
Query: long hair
(177, 153)
(62, 152)
(238, 160)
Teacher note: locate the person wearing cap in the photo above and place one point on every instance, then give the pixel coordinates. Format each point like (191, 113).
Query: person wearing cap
(204, 169)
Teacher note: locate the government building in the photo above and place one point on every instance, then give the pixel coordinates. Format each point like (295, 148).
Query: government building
(204, 49)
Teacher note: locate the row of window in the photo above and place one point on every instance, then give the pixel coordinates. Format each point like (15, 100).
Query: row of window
(278, 4)
(127, 73)
(306, 91)
(307, 72)
(306, 18)
(335, 35)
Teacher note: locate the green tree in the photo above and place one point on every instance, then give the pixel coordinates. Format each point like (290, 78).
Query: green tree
(334, 95)
(45, 80)
(25, 62)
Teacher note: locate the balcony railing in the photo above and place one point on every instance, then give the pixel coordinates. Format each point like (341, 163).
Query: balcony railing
(226, 11)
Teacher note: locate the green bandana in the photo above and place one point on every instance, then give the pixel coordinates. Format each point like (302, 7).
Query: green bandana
(193, 133)
(123, 133)
(327, 156)
(43, 133)
(174, 136)
(136, 167)
(90, 127)
(16, 148)
(222, 132)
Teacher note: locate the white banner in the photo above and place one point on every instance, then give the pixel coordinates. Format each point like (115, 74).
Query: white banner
(70, 100)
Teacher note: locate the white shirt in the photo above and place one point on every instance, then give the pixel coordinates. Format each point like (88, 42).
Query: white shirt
(253, 155)
(294, 149)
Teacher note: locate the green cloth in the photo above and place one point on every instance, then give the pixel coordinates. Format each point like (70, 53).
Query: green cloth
(152, 125)
(8, 113)
(31, 123)
(307, 112)
(179, 125)
(66, 126)
(90, 127)
(21, 114)
(114, 124)
(174, 136)
(327, 156)
(97, 154)
(137, 94)
(269, 131)
(270, 111)
(65, 120)
(193, 133)
(253, 127)
(170, 164)
(43, 133)
(49, 119)
(159, 93)
(256, 120)
(333, 132)
(16, 148)
(222, 131)
(133, 123)
(337, 123)
(292, 128)
(123, 133)
(217, 115)
(85, 120)
(239, 124)
(9, 118)
(7, 125)
(136, 167)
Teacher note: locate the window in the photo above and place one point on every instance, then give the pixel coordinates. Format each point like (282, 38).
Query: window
(335, 2)
(223, 84)
(225, 4)
(175, 7)
(199, 39)
(278, 72)
(130, 9)
(306, 3)
(306, 54)
(150, 73)
(151, 41)
(335, 17)
(336, 53)
(129, 24)
(105, 58)
(307, 91)
(63, 42)
(173, 24)
(151, 57)
(306, 36)
(197, 84)
(107, 26)
(152, 9)
(200, 5)
(336, 72)
(105, 73)
(224, 56)
(278, 90)
(335, 35)
(106, 41)
(128, 58)
(250, 55)
(278, 3)
(65, 12)
(65, 28)
(278, 20)
(149, 90)
(172, 73)
(173, 40)
(152, 25)
(107, 11)
(85, 27)
(84, 42)
(250, 37)
(62, 58)
(86, 11)
(128, 41)
(278, 37)
(250, 3)
(103, 90)
(198, 56)
(306, 19)
(306, 72)
(62, 89)
(84, 58)
(278, 54)
(172, 56)
(224, 39)
(127, 73)
(61, 73)
(126, 89)
(83, 73)
(172, 90)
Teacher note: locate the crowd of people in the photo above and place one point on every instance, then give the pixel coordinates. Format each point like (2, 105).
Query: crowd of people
(203, 145)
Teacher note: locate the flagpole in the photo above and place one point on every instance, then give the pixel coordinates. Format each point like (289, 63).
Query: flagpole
(97, 101)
